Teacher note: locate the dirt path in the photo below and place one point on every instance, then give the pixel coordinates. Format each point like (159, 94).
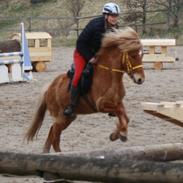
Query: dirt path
(18, 101)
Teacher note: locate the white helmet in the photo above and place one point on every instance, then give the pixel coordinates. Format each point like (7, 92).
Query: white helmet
(111, 8)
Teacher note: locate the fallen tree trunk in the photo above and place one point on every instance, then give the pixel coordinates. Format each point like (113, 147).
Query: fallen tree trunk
(130, 164)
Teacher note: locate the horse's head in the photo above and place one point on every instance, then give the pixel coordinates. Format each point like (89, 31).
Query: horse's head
(132, 65)
(125, 51)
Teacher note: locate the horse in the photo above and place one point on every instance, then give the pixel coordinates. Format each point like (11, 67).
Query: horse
(120, 53)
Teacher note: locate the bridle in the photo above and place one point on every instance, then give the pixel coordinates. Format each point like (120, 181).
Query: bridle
(125, 59)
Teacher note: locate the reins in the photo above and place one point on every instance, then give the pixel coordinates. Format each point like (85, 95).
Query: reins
(125, 59)
(111, 69)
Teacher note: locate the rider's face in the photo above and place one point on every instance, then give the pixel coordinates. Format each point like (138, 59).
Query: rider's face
(112, 19)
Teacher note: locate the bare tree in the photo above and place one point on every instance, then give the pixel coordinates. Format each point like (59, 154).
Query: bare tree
(6, 3)
(74, 7)
(137, 10)
(173, 10)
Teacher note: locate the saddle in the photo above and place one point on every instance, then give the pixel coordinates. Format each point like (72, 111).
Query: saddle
(85, 82)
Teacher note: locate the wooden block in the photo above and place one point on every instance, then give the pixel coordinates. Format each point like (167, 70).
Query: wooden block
(158, 42)
(158, 65)
(151, 49)
(40, 59)
(164, 49)
(37, 43)
(158, 58)
(38, 53)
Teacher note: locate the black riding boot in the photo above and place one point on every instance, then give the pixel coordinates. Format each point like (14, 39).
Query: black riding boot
(69, 110)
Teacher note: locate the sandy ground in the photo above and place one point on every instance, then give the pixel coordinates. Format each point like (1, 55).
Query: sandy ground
(90, 132)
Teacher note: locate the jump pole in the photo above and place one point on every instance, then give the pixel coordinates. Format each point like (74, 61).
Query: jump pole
(154, 163)
(169, 111)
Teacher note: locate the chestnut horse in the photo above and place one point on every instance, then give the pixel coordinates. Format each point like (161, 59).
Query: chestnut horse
(120, 52)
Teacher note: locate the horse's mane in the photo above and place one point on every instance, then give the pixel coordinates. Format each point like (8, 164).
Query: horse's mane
(125, 39)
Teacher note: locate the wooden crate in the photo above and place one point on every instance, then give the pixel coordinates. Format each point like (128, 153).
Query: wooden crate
(40, 48)
(155, 51)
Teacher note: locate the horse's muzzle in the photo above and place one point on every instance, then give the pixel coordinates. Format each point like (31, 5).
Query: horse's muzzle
(138, 79)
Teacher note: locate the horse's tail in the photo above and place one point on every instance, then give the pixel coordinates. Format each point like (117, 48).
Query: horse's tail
(38, 119)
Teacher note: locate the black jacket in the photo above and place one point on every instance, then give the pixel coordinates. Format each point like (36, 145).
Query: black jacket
(89, 40)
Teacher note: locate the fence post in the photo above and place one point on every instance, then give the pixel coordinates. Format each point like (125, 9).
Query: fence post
(29, 24)
(77, 26)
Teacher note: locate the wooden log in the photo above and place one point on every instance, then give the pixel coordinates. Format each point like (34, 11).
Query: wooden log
(39, 66)
(127, 164)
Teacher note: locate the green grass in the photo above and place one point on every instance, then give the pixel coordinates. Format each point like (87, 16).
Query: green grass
(6, 23)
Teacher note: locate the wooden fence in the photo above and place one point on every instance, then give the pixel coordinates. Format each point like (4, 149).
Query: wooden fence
(64, 25)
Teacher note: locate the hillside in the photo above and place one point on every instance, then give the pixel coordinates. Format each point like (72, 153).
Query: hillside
(54, 17)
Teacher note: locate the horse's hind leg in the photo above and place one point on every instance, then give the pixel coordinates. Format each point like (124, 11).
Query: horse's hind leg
(54, 135)
(57, 129)
(48, 142)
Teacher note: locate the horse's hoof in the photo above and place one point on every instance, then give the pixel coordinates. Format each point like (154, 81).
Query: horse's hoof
(123, 138)
(113, 137)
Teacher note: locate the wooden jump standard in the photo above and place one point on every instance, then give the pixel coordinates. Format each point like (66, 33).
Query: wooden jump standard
(169, 111)
(156, 51)
(152, 164)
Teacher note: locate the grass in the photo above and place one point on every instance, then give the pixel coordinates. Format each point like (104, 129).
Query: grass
(53, 8)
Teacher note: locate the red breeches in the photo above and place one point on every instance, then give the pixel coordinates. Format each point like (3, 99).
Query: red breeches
(79, 63)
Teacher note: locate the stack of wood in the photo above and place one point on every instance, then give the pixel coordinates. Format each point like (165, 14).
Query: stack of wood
(155, 163)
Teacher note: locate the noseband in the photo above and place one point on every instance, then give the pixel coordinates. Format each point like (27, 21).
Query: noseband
(125, 59)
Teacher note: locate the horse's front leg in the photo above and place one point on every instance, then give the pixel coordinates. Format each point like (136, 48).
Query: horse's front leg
(121, 130)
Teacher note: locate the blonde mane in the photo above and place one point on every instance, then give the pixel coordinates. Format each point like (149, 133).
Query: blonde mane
(126, 40)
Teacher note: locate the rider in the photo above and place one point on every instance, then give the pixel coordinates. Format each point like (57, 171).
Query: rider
(87, 45)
